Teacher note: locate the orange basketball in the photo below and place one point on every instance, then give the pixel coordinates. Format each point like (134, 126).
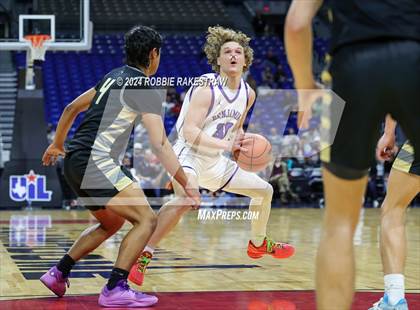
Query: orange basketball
(258, 154)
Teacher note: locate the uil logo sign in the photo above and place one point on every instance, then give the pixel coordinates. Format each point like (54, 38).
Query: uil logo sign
(29, 187)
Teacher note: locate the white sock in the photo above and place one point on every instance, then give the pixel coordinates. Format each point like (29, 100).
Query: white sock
(394, 287)
(149, 249)
(258, 240)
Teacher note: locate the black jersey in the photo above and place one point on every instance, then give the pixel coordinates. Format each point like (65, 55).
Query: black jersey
(120, 100)
(363, 20)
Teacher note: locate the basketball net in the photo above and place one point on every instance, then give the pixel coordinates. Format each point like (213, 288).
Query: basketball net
(37, 45)
(36, 52)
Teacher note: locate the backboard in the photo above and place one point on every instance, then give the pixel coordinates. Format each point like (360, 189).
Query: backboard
(67, 22)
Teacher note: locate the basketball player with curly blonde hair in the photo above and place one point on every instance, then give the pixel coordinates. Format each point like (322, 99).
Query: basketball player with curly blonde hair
(210, 123)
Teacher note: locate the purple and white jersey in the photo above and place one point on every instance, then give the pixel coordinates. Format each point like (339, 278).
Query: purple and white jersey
(226, 109)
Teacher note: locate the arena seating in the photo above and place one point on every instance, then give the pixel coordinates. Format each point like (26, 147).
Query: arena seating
(114, 15)
(67, 74)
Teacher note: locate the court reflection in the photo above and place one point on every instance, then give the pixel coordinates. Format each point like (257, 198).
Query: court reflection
(28, 230)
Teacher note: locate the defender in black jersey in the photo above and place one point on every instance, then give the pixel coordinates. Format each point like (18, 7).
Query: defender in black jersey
(91, 165)
(93, 169)
(402, 187)
(375, 53)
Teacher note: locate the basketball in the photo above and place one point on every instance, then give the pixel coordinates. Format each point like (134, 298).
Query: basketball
(258, 154)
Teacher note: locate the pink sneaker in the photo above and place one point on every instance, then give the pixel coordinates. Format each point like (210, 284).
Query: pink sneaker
(123, 296)
(139, 268)
(53, 279)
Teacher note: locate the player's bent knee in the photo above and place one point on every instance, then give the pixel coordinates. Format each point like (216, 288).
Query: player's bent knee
(394, 215)
(396, 204)
(144, 216)
(149, 222)
(150, 218)
(343, 172)
(269, 190)
(344, 232)
(153, 222)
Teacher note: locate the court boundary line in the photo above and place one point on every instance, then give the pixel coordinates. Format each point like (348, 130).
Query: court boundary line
(193, 292)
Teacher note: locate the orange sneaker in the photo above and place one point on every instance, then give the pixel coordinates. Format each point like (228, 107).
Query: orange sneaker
(269, 247)
(138, 270)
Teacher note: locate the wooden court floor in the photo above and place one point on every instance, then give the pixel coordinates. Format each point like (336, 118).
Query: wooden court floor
(198, 256)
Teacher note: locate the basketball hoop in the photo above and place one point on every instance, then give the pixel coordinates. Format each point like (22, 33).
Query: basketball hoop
(36, 52)
(37, 45)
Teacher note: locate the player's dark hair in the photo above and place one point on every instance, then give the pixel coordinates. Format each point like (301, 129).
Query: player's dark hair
(139, 41)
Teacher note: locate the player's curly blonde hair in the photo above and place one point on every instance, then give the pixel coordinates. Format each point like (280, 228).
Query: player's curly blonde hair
(217, 36)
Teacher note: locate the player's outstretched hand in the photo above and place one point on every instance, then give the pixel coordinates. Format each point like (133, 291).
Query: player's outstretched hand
(306, 99)
(52, 153)
(386, 147)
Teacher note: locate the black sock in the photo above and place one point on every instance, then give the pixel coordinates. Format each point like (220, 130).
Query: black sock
(117, 274)
(65, 265)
